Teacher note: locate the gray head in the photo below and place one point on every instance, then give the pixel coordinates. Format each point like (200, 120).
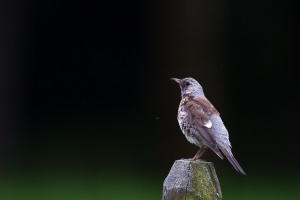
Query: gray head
(189, 87)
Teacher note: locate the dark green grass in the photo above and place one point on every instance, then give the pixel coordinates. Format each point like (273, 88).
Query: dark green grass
(131, 186)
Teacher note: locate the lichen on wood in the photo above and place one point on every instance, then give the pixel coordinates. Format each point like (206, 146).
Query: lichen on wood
(191, 180)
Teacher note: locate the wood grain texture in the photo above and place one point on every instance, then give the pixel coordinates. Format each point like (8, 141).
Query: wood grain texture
(191, 180)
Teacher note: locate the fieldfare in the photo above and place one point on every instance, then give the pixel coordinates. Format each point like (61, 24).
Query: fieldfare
(201, 123)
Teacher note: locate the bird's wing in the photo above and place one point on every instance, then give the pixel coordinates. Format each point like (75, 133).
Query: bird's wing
(200, 111)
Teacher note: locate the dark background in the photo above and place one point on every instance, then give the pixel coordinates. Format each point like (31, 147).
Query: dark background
(87, 105)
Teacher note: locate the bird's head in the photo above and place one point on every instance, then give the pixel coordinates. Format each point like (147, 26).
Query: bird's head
(189, 87)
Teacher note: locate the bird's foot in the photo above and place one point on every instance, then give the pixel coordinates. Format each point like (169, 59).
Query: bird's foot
(193, 159)
(197, 158)
(186, 158)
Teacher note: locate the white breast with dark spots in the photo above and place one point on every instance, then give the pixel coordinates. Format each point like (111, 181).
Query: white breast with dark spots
(187, 129)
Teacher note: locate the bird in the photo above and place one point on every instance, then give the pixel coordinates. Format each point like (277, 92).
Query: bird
(201, 123)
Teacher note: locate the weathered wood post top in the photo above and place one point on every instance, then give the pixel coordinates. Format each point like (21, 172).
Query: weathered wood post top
(190, 180)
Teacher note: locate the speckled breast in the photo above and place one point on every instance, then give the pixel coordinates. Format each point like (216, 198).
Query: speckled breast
(187, 129)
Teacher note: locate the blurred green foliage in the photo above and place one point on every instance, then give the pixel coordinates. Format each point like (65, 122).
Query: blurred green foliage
(122, 186)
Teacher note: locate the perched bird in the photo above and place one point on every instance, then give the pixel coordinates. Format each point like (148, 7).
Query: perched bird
(201, 123)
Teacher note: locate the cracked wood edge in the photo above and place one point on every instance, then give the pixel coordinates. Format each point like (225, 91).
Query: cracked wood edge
(189, 180)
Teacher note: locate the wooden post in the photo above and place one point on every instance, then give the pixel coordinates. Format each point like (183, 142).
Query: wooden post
(191, 180)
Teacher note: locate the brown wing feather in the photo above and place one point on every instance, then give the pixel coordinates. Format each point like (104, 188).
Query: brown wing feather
(206, 106)
(198, 118)
(200, 111)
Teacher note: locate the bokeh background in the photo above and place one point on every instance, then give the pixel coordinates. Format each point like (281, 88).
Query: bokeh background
(88, 110)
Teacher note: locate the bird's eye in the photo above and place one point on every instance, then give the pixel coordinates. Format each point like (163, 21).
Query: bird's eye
(187, 83)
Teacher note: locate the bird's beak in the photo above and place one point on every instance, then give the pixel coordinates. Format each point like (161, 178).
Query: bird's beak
(176, 80)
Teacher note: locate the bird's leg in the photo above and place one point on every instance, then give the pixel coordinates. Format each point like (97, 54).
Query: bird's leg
(199, 153)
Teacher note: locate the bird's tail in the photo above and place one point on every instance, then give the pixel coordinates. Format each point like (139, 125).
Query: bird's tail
(233, 161)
